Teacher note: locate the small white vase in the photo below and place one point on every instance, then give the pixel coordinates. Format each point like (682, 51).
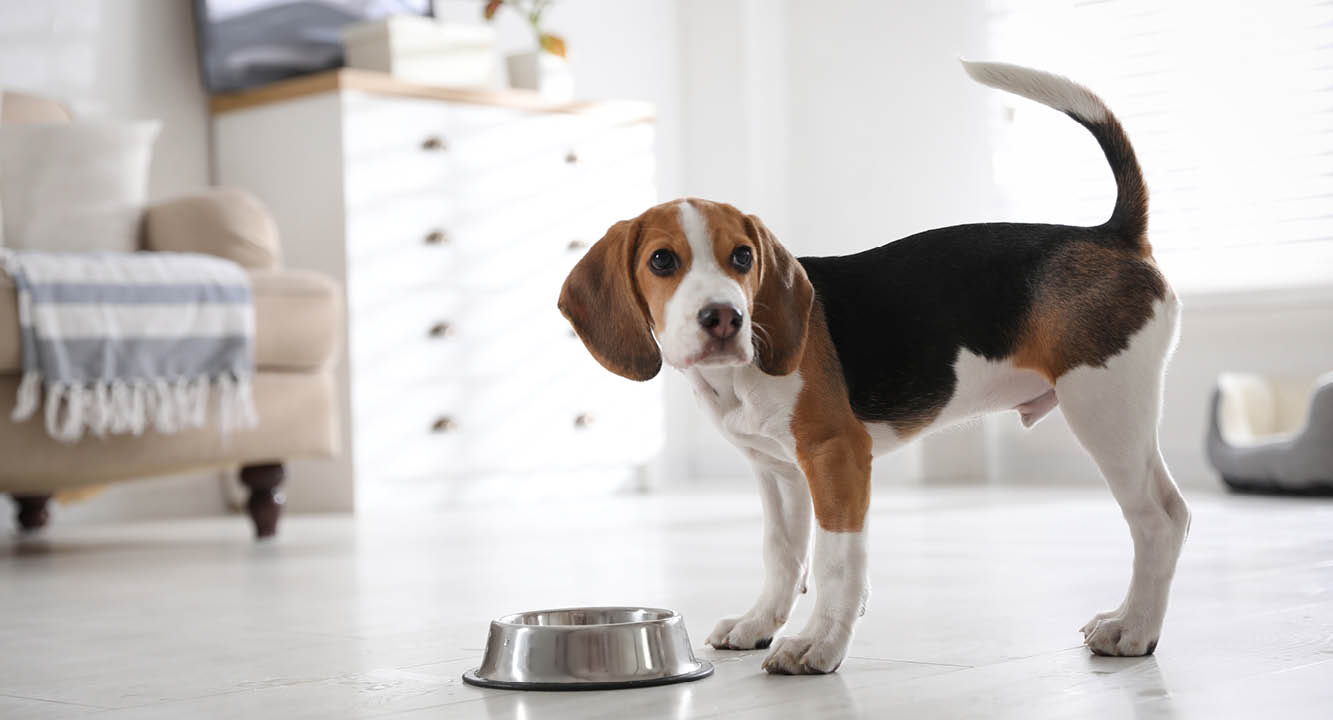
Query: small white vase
(541, 71)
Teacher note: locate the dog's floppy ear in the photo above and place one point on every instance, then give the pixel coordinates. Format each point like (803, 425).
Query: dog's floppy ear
(599, 299)
(782, 303)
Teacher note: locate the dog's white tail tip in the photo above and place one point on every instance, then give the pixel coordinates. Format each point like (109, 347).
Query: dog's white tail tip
(1046, 88)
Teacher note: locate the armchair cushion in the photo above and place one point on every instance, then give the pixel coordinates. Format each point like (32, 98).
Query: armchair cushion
(298, 316)
(78, 186)
(225, 222)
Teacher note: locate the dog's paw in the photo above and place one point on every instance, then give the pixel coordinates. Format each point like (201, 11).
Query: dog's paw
(1092, 624)
(746, 632)
(806, 655)
(1115, 635)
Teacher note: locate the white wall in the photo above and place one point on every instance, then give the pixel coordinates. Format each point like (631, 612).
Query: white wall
(122, 60)
(889, 136)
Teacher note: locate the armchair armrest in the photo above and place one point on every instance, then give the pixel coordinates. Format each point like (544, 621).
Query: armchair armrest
(225, 222)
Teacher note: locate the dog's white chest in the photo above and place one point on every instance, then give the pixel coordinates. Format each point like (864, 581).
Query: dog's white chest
(753, 410)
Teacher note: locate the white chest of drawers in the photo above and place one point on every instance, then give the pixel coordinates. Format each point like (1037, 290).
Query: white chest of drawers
(452, 219)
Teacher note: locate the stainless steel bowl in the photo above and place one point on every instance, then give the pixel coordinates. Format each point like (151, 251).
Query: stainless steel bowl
(594, 648)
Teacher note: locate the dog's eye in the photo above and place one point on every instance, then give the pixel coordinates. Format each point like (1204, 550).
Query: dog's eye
(663, 263)
(742, 257)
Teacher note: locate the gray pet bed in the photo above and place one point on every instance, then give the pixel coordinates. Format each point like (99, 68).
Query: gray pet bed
(1273, 436)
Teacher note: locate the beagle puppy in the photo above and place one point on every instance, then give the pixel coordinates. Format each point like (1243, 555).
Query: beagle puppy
(812, 366)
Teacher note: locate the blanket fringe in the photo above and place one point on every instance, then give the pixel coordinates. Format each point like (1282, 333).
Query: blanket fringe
(30, 395)
(121, 407)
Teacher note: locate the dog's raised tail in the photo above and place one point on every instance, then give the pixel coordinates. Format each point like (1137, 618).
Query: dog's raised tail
(1129, 220)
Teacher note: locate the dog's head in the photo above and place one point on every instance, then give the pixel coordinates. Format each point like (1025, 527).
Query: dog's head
(709, 283)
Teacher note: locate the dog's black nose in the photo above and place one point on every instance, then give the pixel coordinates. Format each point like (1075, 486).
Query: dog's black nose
(720, 320)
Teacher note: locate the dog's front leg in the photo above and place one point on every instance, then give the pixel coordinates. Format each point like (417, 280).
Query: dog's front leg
(838, 470)
(786, 499)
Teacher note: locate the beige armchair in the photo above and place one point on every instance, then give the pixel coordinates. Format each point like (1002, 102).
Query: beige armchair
(298, 316)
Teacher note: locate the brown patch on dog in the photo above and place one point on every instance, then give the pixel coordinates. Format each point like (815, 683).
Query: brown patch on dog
(611, 298)
(661, 232)
(832, 446)
(601, 303)
(783, 304)
(916, 420)
(1090, 301)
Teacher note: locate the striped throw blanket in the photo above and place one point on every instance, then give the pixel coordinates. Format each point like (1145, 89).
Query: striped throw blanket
(124, 342)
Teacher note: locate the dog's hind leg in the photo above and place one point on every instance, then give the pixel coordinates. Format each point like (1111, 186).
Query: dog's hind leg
(1114, 412)
(787, 522)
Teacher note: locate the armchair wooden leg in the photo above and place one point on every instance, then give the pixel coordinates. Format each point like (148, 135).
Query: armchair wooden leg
(32, 514)
(266, 498)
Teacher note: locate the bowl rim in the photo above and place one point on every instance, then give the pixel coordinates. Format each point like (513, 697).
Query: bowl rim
(667, 616)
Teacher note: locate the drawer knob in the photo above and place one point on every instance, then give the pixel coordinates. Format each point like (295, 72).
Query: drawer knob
(571, 157)
(443, 424)
(583, 421)
(434, 143)
(441, 330)
(436, 237)
(577, 245)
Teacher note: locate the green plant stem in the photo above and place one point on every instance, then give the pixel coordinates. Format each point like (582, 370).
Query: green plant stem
(532, 12)
(535, 15)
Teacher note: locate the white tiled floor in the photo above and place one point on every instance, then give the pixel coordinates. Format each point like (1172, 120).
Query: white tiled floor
(978, 597)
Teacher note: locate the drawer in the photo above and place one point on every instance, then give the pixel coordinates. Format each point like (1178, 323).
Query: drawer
(438, 428)
(435, 446)
(406, 220)
(623, 146)
(415, 244)
(397, 277)
(602, 163)
(592, 213)
(503, 186)
(524, 137)
(426, 148)
(485, 253)
(527, 250)
(374, 124)
(519, 425)
(608, 421)
(552, 230)
(472, 175)
(489, 163)
(576, 209)
(383, 278)
(371, 183)
(446, 333)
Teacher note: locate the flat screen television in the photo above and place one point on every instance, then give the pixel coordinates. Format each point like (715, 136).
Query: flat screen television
(246, 43)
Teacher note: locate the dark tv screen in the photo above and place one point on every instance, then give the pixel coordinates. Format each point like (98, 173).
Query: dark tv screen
(247, 43)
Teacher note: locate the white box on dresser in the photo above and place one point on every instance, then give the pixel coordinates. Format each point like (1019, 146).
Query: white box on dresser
(452, 217)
